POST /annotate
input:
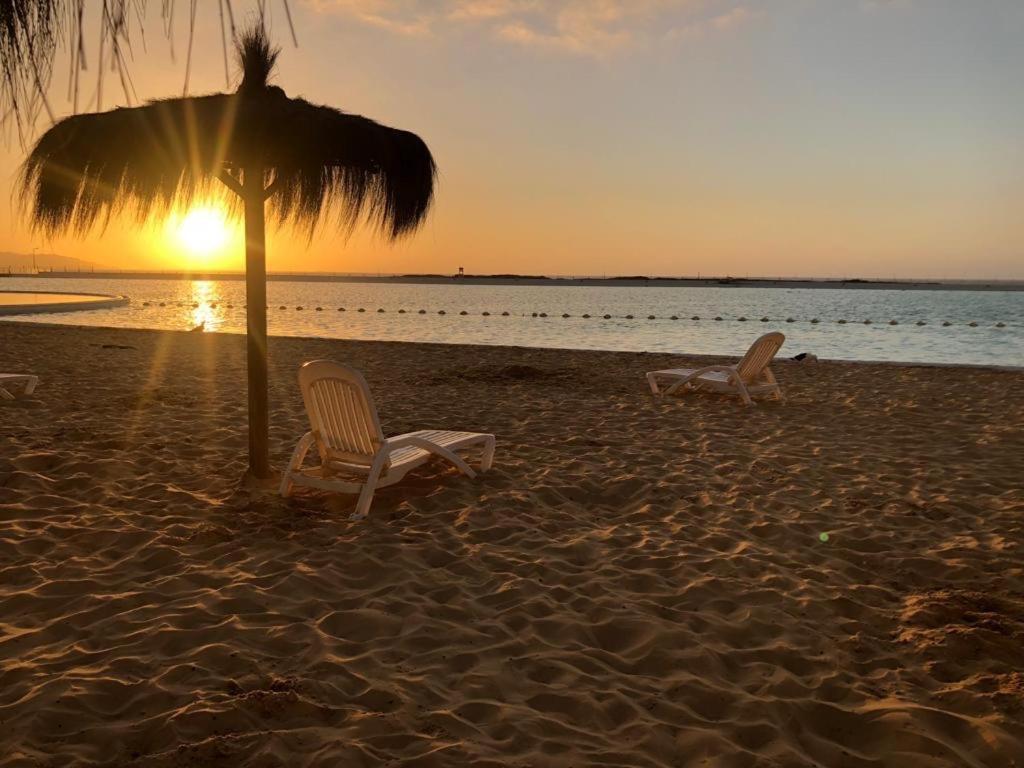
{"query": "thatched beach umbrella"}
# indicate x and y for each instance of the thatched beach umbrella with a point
(304, 160)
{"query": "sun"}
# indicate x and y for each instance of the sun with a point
(202, 231)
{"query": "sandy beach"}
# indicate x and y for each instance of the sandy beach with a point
(836, 581)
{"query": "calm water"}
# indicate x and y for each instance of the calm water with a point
(219, 304)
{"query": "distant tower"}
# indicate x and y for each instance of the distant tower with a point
(462, 272)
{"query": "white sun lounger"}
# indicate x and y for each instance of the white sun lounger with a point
(17, 378)
(355, 457)
(749, 377)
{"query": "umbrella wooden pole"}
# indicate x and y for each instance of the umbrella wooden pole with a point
(254, 197)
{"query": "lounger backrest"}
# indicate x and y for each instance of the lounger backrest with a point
(341, 411)
(759, 355)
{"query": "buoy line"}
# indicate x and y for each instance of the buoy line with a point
(565, 315)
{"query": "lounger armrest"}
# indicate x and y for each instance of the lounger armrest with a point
(306, 442)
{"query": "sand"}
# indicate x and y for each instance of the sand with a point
(837, 581)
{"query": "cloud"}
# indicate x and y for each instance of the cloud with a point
(585, 27)
(403, 17)
(723, 22)
(483, 10)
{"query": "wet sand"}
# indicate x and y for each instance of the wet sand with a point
(638, 582)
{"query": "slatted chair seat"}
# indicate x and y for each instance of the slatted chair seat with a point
(355, 457)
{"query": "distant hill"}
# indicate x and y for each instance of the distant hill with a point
(22, 262)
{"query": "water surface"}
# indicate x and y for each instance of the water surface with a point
(918, 335)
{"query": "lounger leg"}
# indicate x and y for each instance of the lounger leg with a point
(742, 389)
(30, 385)
(365, 499)
(370, 486)
(445, 453)
(674, 388)
(682, 384)
(487, 458)
(5, 395)
(652, 380)
(777, 394)
(454, 458)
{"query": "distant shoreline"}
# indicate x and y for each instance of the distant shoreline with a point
(534, 280)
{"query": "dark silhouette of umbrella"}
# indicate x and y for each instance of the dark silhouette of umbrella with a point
(302, 160)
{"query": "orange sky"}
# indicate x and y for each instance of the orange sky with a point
(671, 137)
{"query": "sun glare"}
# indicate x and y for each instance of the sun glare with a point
(202, 231)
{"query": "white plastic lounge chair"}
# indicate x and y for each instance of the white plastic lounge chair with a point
(17, 378)
(355, 457)
(749, 377)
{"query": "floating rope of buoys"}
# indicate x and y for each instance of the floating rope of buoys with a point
(543, 314)
(380, 310)
(423, 312)
(674, 317)
(920, 322)
(893, 322)
(162, 304)
(319, 309)
(282, 307)
(504, 314)
(841, 322)
(231, 306)
(195, 305)
(341, 309)
(946, 323)
(741, 319)
(718, 319)
(441, 312)
(586, 317)
(145, 303)
(463, 312)
(867, 322)
(486, 314)
(973, 324)
(764, 319)
(815, 321)
(1000, 325)
(695, 317)
(651, 317)
(566, 315)
(790, 320)
(213, 305)
(401, 311)
(629, 317)
(607, 317)
(298, 309)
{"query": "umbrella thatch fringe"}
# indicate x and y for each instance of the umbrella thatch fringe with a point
(146, 160)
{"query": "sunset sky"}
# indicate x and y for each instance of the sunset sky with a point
(662, 137)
